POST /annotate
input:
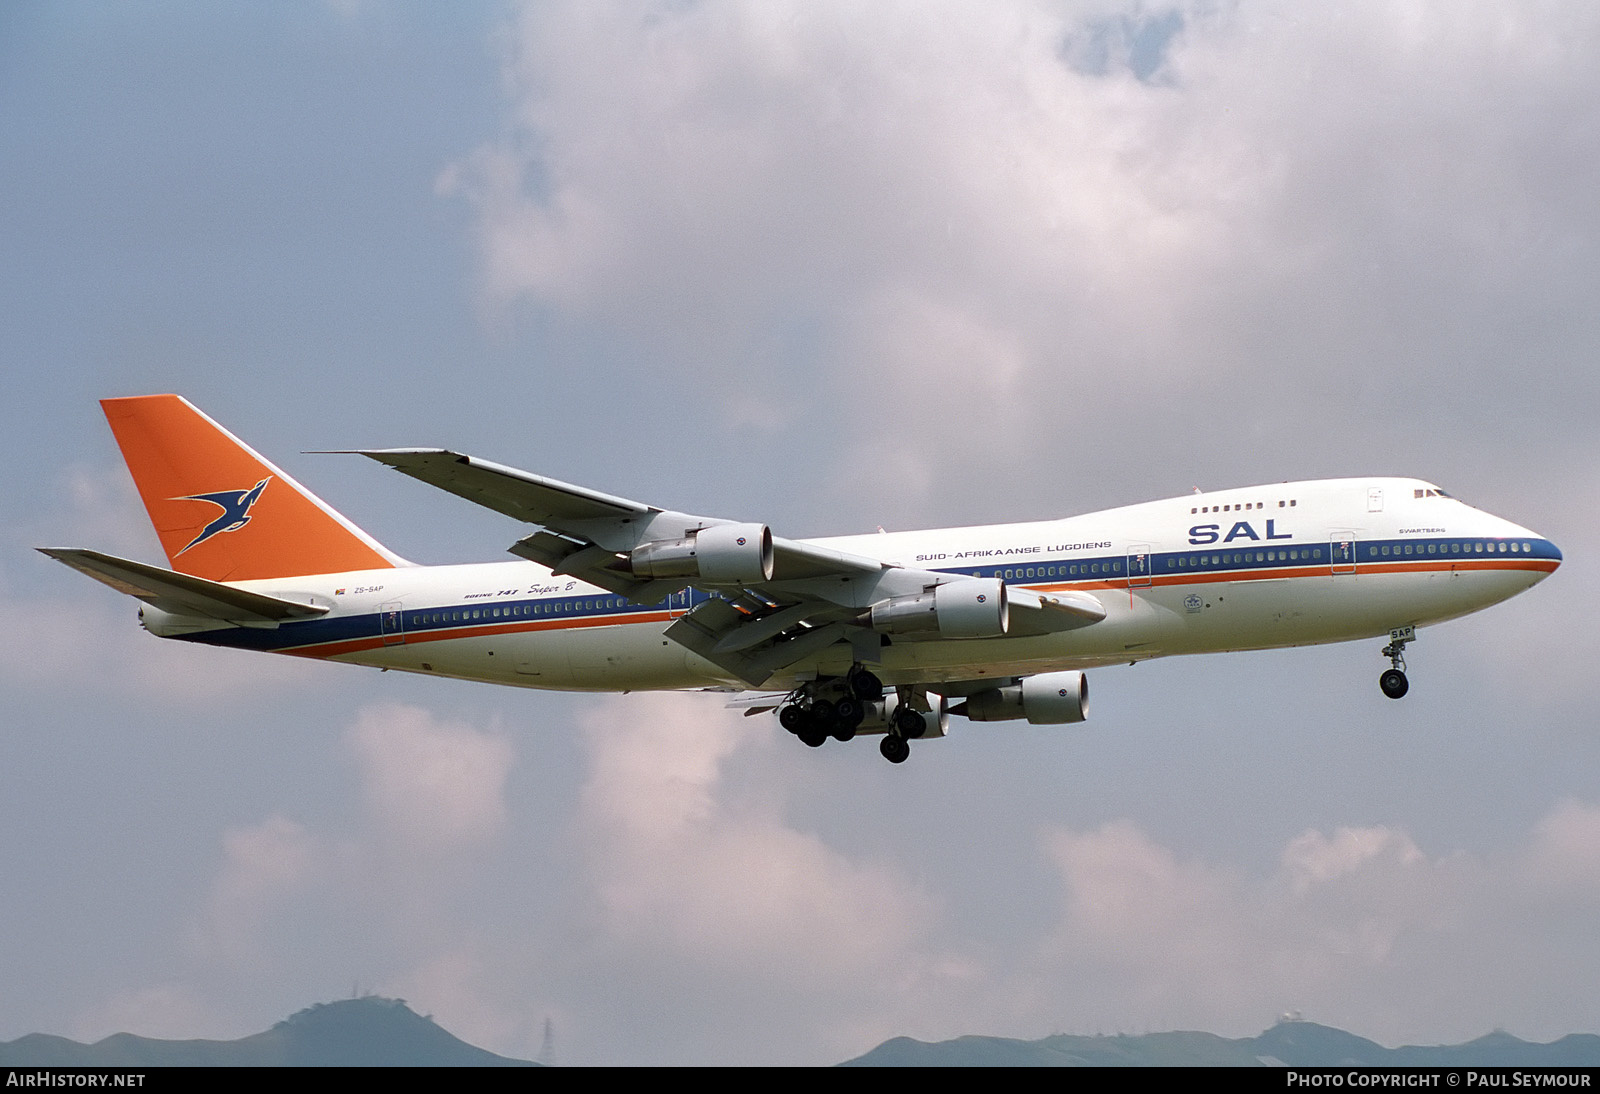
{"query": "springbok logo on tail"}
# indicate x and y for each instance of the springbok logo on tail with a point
(235, 506)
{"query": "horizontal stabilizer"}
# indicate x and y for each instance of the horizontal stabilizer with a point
(182, 594)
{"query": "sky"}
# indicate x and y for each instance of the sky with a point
(828, 266)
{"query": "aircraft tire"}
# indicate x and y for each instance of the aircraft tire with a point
(1394, 683)
(909, 723)
(894, 748)
(792, 718)
(865, 685)
(814, 738)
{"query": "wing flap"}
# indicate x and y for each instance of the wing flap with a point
(182, 594)
(716, 629)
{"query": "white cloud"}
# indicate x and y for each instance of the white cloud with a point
(684, 862)
(1310, 222)
(264, 866)
(687, 880)
(434, 793)
(1360, 929)
(93, 642)
(433, 785)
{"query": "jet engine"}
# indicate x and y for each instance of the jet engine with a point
(724, 554)
(970, 608)
(1050, 698)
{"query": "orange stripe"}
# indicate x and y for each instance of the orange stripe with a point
(416, 638)
(1322, 569)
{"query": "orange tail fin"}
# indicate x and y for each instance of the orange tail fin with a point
(222, 511)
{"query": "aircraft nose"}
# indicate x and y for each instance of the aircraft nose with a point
(1548, 554)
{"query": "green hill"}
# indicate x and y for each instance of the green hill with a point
(1287, 1044)
(369, 1032)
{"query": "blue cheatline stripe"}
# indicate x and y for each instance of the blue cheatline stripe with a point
(1222, 562)
(510, 614)
(1236, 557)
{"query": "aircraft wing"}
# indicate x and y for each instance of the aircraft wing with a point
(182, 594)
(577, 518)
(780, 599)
(518, 494)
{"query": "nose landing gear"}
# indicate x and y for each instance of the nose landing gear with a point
(1393, 682)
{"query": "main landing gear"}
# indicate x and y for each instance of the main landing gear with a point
(894, 748)
(906, 725)
(836, 708)
(1393, 682)
(833, 708)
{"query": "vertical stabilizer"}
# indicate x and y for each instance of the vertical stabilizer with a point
(222, 511)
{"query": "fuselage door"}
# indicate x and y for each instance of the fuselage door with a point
(1374, 499)
(1342, 550)
(1139, 565)
(391, 620)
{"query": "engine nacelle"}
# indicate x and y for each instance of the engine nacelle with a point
(973, 607)
(1048, 699)
(724, 554)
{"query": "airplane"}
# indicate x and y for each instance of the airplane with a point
(885, 633)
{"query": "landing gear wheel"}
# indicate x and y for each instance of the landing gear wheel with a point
(825, 716)
(1394, 684)
(792, 718)
(814, 738)
(894, 749)
(850, 714)
(864, 685)
(909, 723)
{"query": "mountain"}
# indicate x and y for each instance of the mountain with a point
(367, 1032)
(1287, 1044)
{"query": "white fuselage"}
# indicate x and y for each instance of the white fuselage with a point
(1255, 568)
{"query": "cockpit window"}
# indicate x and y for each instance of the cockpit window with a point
(1429, 492)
